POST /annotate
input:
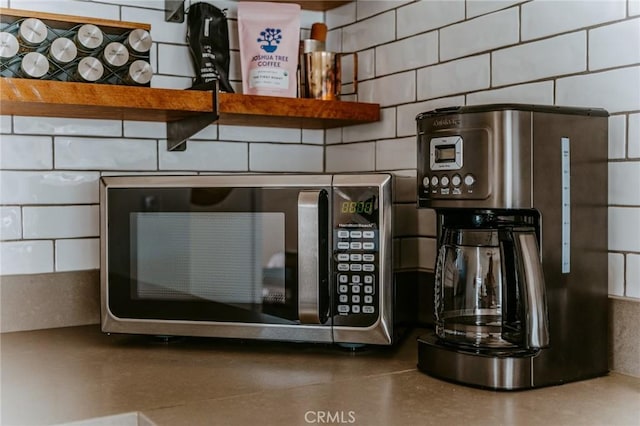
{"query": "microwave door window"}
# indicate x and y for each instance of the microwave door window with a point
(236, 259)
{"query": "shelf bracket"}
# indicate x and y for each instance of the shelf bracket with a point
(180, 130)
(174, 10)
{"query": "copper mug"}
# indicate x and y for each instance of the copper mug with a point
(323, 75)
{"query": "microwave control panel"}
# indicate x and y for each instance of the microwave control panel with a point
(355, 259)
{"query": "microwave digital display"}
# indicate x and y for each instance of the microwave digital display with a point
(358, 207)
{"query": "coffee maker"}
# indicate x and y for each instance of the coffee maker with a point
(520, 192)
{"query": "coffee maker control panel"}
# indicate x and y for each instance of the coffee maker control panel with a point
(454, 166)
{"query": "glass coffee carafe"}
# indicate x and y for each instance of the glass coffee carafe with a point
(490, 287)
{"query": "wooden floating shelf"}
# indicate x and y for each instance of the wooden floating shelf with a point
(185, 111)
(45, 98)
(68, 21)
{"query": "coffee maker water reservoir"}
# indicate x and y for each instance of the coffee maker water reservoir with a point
(520, 193)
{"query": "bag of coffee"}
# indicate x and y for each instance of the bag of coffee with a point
(208, 38)
(269, 35)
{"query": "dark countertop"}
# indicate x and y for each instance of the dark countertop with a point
(69, 374)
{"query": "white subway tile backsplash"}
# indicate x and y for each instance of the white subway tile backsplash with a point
(171, 82)
(259, 134)
(407, 113)
(390, 90)
(368, 33)
(614, 45)
(5, 124)
(498, 29)
(351, 157)
(404, 186)
(624, 232)
(634, 135)
(423, 16)
(333, 135)
(147, 4)
(427, 223)
(60, 221)
(533, 93)
(265, 157)
(208, 133)
(543, 18)
(26, 257)
(67, 126)
(161, 31)
(365, 9)
(383, 129)
(617, 136)
(209, 155)
(621, 190)
(633, 276)
(25, 152)
(462, 75)
(48, 187)
(77, 254)
(105, 154)
(144, 129)
(313, 136)
(395, 154)
(405, 220)
(480, 7)
(615, 90)
(10, 223)
(616, 274)
(69, 7)
(634, 7)
(366, 64)
(560, 55)
(175, 60)
(410, 53)
(340, 16)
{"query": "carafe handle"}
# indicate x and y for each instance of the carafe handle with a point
(533, 290)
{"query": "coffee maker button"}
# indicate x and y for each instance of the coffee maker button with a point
(456, 180)
(425, 181)
(434, 181)
(444, 181)
(469, 180)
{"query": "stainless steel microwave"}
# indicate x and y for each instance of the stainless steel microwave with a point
(277, 257)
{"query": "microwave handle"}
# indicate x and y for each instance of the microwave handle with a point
(310, 256)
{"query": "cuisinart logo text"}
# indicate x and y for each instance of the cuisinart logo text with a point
(446, 122)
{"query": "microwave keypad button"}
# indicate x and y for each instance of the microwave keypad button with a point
(368, 289)
(355, 267)
(368, 267)
(368, 279)
(368, 234)
(343, 309)
(356, 234)
(343, 289)
(343, 279)
(355, 309)
(343, 234)
(356, 257)
(344, 298)
(367, 299)
(355, 279)
(355, 298)
(355, 246)
(343, 267)
(343, 245)
(368, 257)
(343, 257)
(355, 289)
(368, 309)
(368, 246)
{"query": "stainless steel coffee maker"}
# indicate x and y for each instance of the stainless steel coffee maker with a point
(520, 192)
